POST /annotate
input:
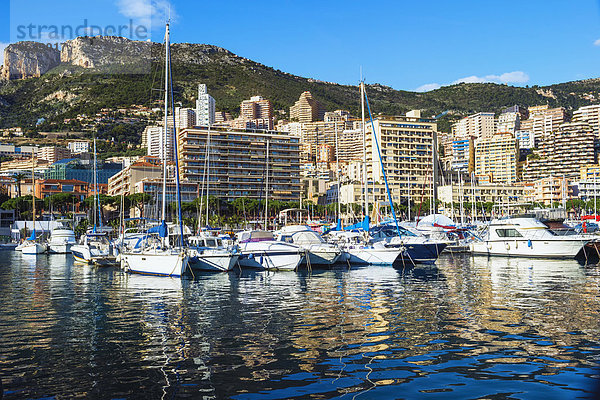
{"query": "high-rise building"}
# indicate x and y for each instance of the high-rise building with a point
(545, 121)
(496, 158)
(307, 109)
(482, 124)
(314, 134)
(407, 150)
(185, 117)
(157, 144)
(79, 147)
(256, 113)
(461, 147)
(238, 162)
(590, 115)
(336, 116)
(205, 107)
(350, 143)
(562, 153)
(54, 153)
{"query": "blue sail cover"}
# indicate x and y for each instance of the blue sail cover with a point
(364, 225)
(160, 229)
(32, 237)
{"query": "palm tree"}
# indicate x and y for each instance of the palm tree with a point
(18, 178)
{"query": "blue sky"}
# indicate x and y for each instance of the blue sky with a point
(406, 45)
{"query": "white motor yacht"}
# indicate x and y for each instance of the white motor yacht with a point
(260, 250)
(526, 237)
(94, 248)
(61, 240)
(207, 253)
(355, 245)
(319, 251)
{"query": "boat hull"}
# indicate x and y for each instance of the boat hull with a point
(60, 248)
(213, 262)
(322, 256)
(34, 248)
(158, 264)
(270, 255)
(372, 256)
(83, 254)
(528, 248)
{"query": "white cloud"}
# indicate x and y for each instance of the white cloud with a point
(2, 47)
(597, 42)
(427, 87)
(148, 12)
(507, 77)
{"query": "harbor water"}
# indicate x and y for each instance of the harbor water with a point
(467, 327)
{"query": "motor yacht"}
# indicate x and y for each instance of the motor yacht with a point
(527, 237)
(355, 245)
(260, 250)
(319, 251)
(207, 253)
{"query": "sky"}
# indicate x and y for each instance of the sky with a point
(405, 45)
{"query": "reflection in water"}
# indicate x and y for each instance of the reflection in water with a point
(466, 328)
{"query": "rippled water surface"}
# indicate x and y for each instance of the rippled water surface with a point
(465, 328)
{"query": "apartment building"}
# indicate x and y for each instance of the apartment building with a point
(256, 113)
(545, 121)
(307, 109)
(350, 143)
(407, 153)
(238, 162)
(461, 151)
(589, 115)
(496, 157)
(205, 107)
(504, 196)
(553, 189)
(184, 117)
(314, 134)
(157, 144)
(79, 147)
(562, 153)
(54, 153)
(482, 124)
(123, 183)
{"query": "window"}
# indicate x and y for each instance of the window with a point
(508, 233)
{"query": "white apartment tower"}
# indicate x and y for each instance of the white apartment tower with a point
(205, 107)
(184, 117)
(477, 125)
(157, 143)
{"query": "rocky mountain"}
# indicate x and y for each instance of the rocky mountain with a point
(91, 73)
(28, 59)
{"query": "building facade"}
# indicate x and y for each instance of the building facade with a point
(307, 109)
(407, 151)
(54, 153)
(238, 162)
(205, 107)
(482, 124)
(496, 157)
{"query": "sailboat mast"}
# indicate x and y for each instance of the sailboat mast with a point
(267, 189)
(207, 173)
(163, 148)
(95, 180)
(33, 190)
(364, 134)
(337, 167)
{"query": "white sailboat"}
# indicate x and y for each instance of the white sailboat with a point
(31, 246)
(94, 247)
(163, 252)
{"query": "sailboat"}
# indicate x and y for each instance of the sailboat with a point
(31, 246)
(162, 252)
(94, 247)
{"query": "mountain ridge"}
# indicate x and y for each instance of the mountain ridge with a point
(110, 72)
